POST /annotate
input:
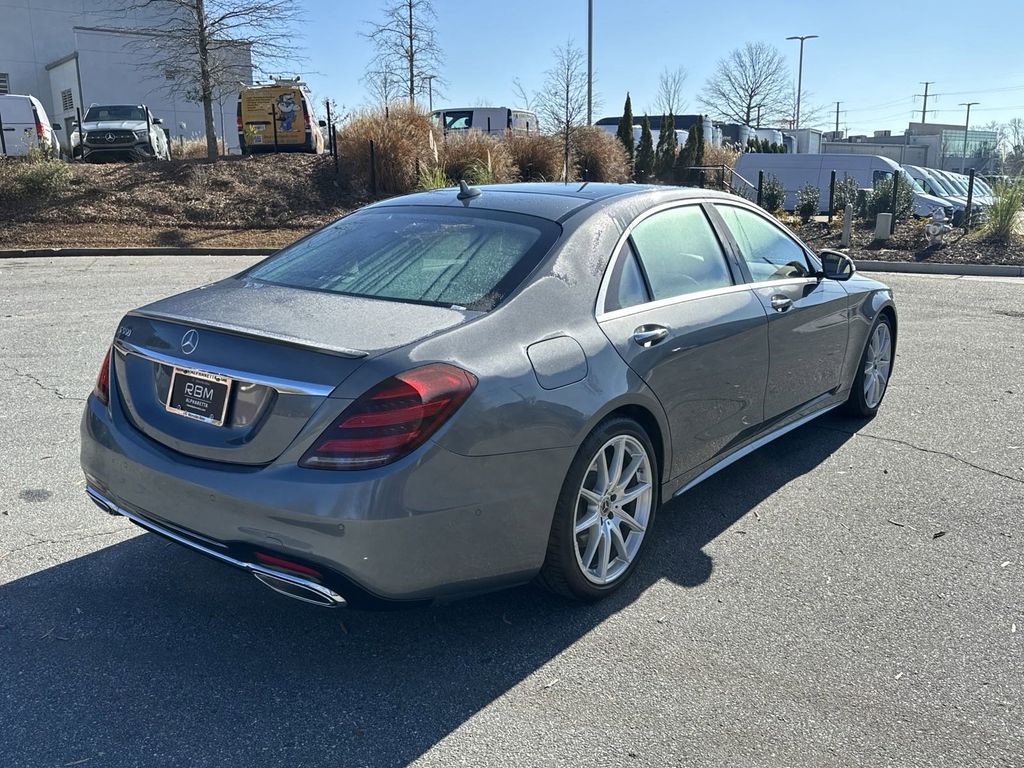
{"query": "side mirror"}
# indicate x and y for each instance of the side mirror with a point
(836, 265)
(157, 121)
(57, 127)
(322, 123)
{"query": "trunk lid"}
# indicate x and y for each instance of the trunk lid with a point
(283, 349)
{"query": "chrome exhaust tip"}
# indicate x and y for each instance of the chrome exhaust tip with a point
(300, 589)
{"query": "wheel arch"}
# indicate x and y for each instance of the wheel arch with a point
(649, 416)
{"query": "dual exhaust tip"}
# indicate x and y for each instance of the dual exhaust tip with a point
(288, 584)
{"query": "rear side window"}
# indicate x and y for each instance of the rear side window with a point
(466, 258)
(626, 287)
(680, 253)
(458, 120)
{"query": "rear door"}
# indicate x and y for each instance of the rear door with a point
(808, 317)
(19, 125)
(679, 315)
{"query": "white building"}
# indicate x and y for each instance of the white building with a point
(72, 53)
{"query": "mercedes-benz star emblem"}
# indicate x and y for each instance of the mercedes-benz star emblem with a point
(110, 138)
(190, 341)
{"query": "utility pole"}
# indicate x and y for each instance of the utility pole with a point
(430, 90)
(967, 124)
(800, 73)
(758, 116)
(837, 117)
(924, 107)
(590, 61)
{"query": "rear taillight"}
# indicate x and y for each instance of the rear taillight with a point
(392, 419)
(39, 128)
(102, 388)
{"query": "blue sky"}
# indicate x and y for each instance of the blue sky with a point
(871, 55)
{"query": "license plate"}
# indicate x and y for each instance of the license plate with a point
(199, 395)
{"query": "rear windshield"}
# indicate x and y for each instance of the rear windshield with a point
(463, 258)
(95, 114)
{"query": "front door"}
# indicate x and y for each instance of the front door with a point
(808, 320)
(683, 321)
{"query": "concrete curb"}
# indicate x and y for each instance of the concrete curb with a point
(50, 253)
(917, 268)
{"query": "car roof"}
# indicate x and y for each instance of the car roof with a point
(555, 201)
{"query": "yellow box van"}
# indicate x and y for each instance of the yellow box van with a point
(277, 117)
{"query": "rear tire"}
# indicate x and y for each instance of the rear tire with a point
(604, 514)
(873, 371)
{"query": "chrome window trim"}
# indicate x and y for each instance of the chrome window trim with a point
(602, 293)
(738, 288)
(282, 385)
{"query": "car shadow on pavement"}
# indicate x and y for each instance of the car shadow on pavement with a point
(145, 654)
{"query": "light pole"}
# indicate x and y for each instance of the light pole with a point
(430, 90)
(590, 61)
(800, 73)
(967, 123)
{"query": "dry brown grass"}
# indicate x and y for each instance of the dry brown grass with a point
(599, 156)
(400, 139)
(182, 149)
(720, 155)
(477, 157)
(537, 156)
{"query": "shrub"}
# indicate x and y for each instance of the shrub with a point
(599, 156)
(194, 147)
(477, 158)
(432, 177)
(535, 156)
(720, 155)
(880, 199)
(808, 202)
(401, 136)
(668, 148)
(35, 178)
(773, 194)
(1002, 220)
(846, 192)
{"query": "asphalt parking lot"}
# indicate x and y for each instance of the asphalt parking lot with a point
(852, 595)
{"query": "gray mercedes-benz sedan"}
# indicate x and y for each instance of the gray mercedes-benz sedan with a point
(466, 389)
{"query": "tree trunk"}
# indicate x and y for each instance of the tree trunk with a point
(412, 59)
(205, 85)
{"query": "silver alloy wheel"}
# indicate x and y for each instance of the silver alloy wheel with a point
(613, 509)
(877, 365)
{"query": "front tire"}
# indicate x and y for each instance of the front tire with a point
(604, 514)
(874, 371)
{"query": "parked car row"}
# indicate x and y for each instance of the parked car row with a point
(932, 188)
(107, 132)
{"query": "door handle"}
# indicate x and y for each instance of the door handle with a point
(781, 303)
(649, 335)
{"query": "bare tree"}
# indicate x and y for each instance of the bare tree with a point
(669, 98)
(811, 115)
(754, 76)
(1015, 134)
(202, 48)
(406, 47)
(562, 102)
(524, 99)
(383, 85)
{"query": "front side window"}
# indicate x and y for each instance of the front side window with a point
(680, 253)
(770, 253)
(458, 120)
(470, 258)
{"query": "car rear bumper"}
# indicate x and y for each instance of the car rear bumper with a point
(433, 524)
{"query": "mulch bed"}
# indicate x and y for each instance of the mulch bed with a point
(908, 243)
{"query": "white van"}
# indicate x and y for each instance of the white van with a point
(26, 125)
(796, 171)
(934, 184)
(494, 120)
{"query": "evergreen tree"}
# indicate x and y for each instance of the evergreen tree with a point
(666, 160)
(661, 140)
(644, 154)
(625, 132)
(690, 156)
